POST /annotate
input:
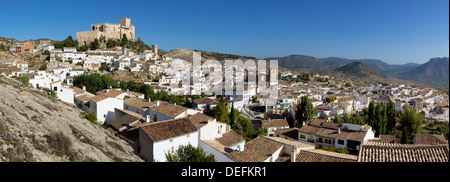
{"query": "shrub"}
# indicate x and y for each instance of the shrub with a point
(189, 153)
(59, 143)
(91, 117)
(43, 67)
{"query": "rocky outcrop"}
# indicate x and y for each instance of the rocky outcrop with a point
(37, 127)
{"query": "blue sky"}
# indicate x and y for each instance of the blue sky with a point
(395, 31)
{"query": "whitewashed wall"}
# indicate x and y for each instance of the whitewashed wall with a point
(162, 147)
(218, 156)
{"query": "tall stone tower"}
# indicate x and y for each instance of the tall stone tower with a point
(155, 49)
(126, 22)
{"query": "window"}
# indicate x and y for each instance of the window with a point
(340, 142)
(302, 136)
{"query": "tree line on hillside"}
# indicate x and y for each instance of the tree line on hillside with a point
(139, 45)
(382, 118)
(95, 82)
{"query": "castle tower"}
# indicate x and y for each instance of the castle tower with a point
(126, 22)
(155, 49)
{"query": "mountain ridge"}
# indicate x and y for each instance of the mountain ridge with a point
(407, 71)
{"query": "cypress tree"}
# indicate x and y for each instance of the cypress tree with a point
(391, 114)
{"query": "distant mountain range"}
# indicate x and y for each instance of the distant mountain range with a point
(434, 72)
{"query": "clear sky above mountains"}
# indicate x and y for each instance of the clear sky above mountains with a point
(395, 31)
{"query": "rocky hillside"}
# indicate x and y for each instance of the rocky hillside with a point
(9, 41)
(38, 127)
(357, 68)
(300, 63)
(435, 71)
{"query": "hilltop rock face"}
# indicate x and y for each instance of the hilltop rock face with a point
(38, 127)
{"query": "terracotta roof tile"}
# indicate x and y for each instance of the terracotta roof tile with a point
(430, 139)
(124, 121)
(200, 120)
(230, 138)
(97, 98)
(141, 104)
(390, 152)
(289, 132)
(112, 93)
(318, 155)
(163, 130)
(275, 123)
(257, 150)
(169, 109)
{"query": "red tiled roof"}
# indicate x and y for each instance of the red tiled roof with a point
(390, 152)
(318, 155)
(163, 130)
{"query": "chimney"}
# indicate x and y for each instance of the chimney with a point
(293, 153)
(147, 118)
(157, 103)
(84, 88)
(339, 131)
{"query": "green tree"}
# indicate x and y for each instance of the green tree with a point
(411, 124)
(102, 66)
(305, 111)
(220, 112)
(83, 48)
(391, 114)
(46, 52)
(330, 99)
(244, 128)
(111, 43)
(68, 42)
(371, 114)
(379, 122)
(189, 153)
(233, 114)
(124, 41)
(95, 44)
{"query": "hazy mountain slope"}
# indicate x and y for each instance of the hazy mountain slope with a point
(38, 127)
(300, 63)
(435, 71)
(358, 69)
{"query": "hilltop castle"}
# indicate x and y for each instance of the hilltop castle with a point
(108, 31)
